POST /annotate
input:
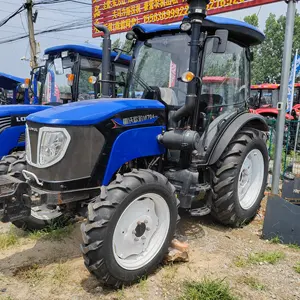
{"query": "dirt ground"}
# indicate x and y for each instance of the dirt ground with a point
(54, 269)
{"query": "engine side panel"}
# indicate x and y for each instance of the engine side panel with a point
(10, 139)
(132, 144)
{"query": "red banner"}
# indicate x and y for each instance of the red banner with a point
(121, 15)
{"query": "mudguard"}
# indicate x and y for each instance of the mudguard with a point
(247, 119)
(132, 144)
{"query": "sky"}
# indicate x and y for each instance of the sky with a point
(14, 56)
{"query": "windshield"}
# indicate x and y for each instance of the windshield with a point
(158, 64)
(225, 77)
(57, 86)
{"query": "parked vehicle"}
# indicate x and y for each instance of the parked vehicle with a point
(51, 86)
(128, 164)
(13, 90)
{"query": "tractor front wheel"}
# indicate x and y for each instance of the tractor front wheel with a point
(240, 178)
(130, 227)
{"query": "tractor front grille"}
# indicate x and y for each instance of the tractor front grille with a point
(21, 138)
(5, 122)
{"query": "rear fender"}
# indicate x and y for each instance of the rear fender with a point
(244, 120)
(9, 139)
(132, 144)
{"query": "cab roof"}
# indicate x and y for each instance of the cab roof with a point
(87, 50)
(239, 31)
(9, 82)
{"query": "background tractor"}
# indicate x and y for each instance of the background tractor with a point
(67, 76)
(129, 164)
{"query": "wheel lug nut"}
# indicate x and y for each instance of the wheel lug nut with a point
(143, 237)
(146, 221)
(148, 228)
(136, 239)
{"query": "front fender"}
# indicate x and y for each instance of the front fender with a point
(9, 139)
(132, 144)
(247, 119)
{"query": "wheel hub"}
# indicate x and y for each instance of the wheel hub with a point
(250, 179)
(140, 231)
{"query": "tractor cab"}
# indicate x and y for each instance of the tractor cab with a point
(72, 73)
(264, 96)
(13, 90)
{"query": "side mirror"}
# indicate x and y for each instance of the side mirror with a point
(220, 41)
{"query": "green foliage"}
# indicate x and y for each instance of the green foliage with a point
(52, 233)
(207, 289)
(253, 282)
(266, 257)
(297, 267)
(266, 66)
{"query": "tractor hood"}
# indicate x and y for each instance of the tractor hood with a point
(20, 110)
(91, 112)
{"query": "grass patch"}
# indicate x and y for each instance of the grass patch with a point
(294, 246)
(268, 257)
(169, 273)
(32, 273)
(207, 289)
(10, 238)
(297, 267)
(253, 283)
(61, 273)
(52, 233)
(240, 262)
(260, 257)
(275, 240)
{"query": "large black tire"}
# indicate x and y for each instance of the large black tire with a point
(226, 206)
(15, 162)
(103, 216)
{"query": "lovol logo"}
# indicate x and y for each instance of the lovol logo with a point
(18, 120)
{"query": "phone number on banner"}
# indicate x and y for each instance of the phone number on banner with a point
(166, 14)
(223, 3)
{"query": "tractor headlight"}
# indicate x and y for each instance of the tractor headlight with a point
(53, 144)
(27, 145)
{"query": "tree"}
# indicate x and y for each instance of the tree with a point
(268, 56)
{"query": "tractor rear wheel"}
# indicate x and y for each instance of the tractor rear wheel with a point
(130, 227)
(240, 178)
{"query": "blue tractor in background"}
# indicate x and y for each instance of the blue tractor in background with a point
(66, 77)
(127, 164)
(13, 90)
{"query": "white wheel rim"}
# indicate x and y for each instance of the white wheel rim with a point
(141, 231)
(250, 179)
(43, 213)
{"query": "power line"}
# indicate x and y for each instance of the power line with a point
(12, 15)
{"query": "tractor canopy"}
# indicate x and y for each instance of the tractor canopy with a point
(171, 45)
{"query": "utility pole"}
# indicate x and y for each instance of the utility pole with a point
(32, 42)
(286, 62)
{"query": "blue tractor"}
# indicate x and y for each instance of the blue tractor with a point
(66, 77)
(129, 164)
(13, 90)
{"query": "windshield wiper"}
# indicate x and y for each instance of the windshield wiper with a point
(142, 82)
